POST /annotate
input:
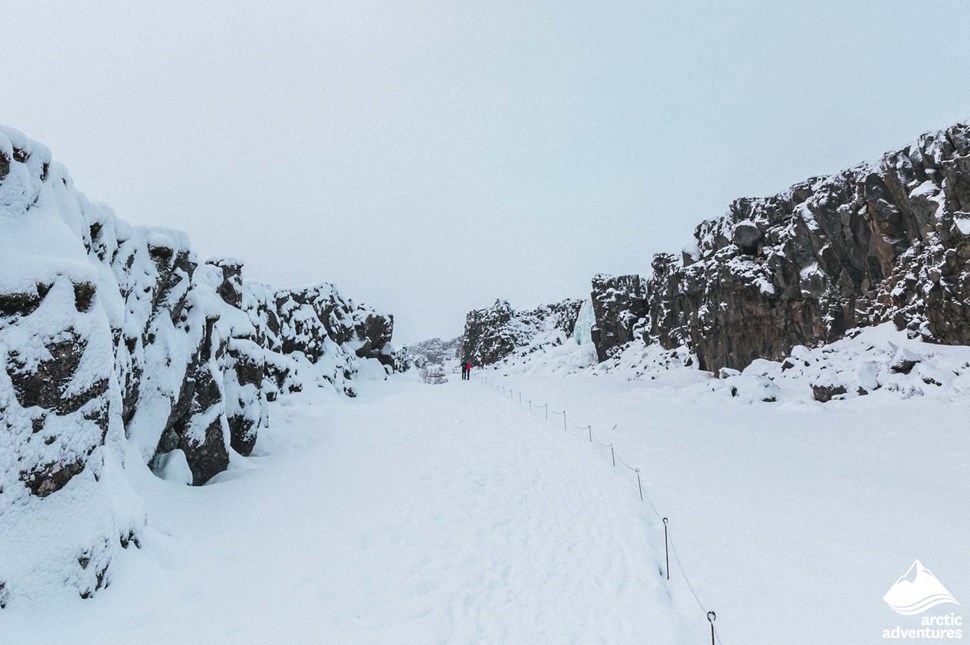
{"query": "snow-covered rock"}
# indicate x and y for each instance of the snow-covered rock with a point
(435, 351)
(500, 333)
(876, 360)
(884, 241)
(116, 342)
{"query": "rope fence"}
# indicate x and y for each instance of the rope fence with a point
(669, 547)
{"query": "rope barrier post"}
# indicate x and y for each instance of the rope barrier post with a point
(546, 406)
(711, 617)
(520, 398)
(530, 406)
(590, 429)
(667, 548)
(639, 485)
(613, 454)
(564, 420)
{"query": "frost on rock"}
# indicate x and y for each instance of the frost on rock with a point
(117, 343)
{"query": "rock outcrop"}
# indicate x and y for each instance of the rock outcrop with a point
(498, 332)
(113, 334)
(888, 241)
(619, 306)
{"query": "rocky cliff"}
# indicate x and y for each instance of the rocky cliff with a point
(498, 332)
(887, 241)
(116, 340)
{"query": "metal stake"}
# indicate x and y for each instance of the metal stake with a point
(666, 548)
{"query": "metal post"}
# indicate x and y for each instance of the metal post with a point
(666, 548)
(639, 485)
(547, 411)
(613, 455)
(530, 406)
(590, 428)
(563, 419)
(711, 617)
(520, 398)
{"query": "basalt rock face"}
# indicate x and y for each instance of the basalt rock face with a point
(880, 242)
(113, 334)
(495, 333)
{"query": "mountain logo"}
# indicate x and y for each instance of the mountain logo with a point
(917, 591)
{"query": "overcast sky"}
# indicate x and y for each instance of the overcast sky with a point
(431, 156)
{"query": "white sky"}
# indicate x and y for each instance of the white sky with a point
(431, 156)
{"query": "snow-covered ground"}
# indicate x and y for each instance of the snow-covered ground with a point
(447, 514)
(414, 514)
(792, 518)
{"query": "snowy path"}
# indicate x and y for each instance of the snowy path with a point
(415, 514)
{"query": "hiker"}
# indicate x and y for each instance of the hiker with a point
(464, 369)
(468, 371)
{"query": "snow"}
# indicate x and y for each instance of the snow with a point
(871, 362)
(963, 224)
(413, 514)
(448, 513)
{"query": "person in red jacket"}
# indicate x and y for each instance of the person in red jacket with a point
(468, 371)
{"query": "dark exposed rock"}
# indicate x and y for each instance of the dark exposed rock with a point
(206, 455)
(746, 236)
(48, 384)
(230, 290)
(52, 477)
(250, 369)
(825, 393)
(376, 331)
(83, 295)
(18, 304)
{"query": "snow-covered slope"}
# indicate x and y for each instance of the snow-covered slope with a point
(117, 343)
